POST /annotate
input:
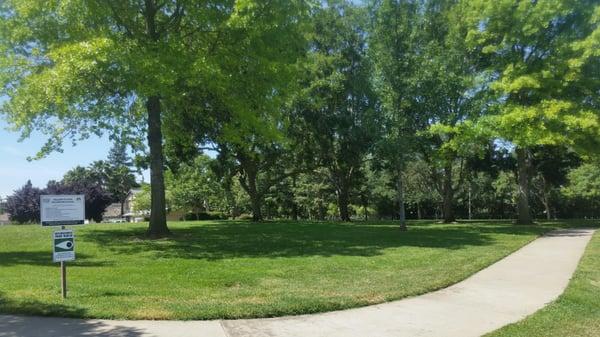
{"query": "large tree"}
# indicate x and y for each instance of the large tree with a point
(259, 164)
(542, 58)
(237, 111)
(71, 69)
(195, 188)
(118, 175)
(394, 40)
(449, 93)
(83, 67)
(337, 106)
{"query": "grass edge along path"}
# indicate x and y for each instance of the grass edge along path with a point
(244, 270)
(575, 313)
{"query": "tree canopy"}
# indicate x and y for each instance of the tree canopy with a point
(317, 109)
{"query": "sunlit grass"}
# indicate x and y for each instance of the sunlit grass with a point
(240, 269)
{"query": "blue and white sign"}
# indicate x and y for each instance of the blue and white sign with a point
(64, 246)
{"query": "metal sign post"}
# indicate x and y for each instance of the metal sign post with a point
(63, 279)
(63, 273)
(61, 210)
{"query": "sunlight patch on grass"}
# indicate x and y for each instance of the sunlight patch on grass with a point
(229, 269)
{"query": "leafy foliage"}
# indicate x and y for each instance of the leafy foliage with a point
(96, 198)
(390, 108)
(24, 205)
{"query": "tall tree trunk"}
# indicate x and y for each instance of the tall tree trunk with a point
(321, 211)
(448, 197)
(400, 199)
(255, 197)
(547, 208)
(501, 208)
(546, 198)
(294, 204)
(256, 211)
(294, 212)
(248, 182)
(365, 204)
(470, 204)
(523, 166)
(158, 217)
(419, 216)
(343, 200)
(233, 211)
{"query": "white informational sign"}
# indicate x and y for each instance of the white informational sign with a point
(64, 246)
(61, 210)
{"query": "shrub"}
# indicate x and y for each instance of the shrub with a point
(24, 205)
(205, 216)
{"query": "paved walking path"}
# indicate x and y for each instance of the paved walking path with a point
(505, 292)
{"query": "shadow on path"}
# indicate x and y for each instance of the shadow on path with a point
(16, 326)
(568, 232)
(35, 326)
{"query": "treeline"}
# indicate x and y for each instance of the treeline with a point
(394, 108)
(103, 182)
(562, 186)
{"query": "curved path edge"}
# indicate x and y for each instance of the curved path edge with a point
(500, 294)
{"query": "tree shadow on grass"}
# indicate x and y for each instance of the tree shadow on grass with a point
(44, 258)
(224, 240)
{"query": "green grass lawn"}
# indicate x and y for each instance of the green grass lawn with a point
(239, 269)
(577, 310)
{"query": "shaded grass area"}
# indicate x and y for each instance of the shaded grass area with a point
(576, 312)
(230, 269)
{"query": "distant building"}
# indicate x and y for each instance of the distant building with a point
(3, 215)
(113, 211)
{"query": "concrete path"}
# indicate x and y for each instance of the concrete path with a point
(505, 292)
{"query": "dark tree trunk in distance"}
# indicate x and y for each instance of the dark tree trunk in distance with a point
(248, 182)
(365, 203)
(448, 196)
(400, 199)
(470, 203)
(294, 204)
(343, 200)
(547, 208)
(158, 217)
(256, 211)
(523, 167)
(546, 198)
(122, 207)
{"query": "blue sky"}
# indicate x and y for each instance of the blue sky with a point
(15, 170)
